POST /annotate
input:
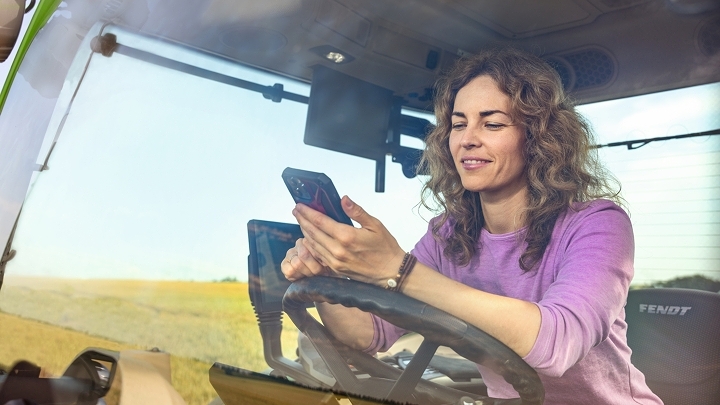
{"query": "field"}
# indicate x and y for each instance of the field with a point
(48, 321)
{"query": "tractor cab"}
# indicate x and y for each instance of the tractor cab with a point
(143, 214)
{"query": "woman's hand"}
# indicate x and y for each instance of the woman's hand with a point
(369, 253)
(300, 263)
(349, 325)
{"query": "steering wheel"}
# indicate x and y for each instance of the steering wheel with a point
(436, 326)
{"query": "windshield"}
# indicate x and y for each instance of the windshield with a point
(134, 235)
(139, 230)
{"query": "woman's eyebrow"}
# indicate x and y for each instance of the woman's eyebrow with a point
(482, 114)
(488, 113)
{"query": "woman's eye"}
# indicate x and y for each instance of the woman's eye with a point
(458, 126)
(493, 126)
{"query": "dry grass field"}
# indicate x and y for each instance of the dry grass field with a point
(196, 322)
(53, 348)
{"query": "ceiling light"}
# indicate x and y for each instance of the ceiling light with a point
(332, 54)
(336, 57)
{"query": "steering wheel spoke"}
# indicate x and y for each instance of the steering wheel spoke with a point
(405, 385)
(325, 345)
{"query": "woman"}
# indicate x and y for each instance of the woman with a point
(524, 248)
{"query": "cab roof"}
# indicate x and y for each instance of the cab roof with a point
(603, 49)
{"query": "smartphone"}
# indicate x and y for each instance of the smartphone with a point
(315, 190)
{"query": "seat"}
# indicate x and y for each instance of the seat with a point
(674, 335)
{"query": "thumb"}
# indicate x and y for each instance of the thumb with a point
(356, 212)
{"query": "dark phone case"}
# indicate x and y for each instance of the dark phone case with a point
(318, 193)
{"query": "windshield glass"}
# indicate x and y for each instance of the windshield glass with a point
(671, 186)
(137, 232)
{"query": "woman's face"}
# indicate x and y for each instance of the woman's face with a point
(486, 145)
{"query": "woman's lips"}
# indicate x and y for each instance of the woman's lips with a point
(474, 163)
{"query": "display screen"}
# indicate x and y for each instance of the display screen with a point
(269, 243)
(348, 115)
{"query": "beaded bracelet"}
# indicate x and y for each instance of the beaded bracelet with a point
(408, 263)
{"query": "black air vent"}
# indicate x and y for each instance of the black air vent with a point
(708, 36)
(584, 69)
(564, 70)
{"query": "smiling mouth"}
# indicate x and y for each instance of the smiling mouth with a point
(474, 161)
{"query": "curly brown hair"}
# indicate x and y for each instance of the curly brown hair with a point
(561, 164)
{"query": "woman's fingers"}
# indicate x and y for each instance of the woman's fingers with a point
(369, 253)
(300, 263)
(308, 260)
(321, 254)
(357, 213)
(291, 270)
(316, 224)
(322, 236)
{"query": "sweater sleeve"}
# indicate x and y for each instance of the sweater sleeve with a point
(594, 267)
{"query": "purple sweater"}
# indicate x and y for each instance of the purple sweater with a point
(580, 287)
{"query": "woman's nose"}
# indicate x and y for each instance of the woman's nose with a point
(470, 138)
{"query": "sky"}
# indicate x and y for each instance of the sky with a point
(166, 192)
(134, 192)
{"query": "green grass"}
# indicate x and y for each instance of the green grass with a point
(196, 322)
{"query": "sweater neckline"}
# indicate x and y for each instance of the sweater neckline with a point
(502, 236)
